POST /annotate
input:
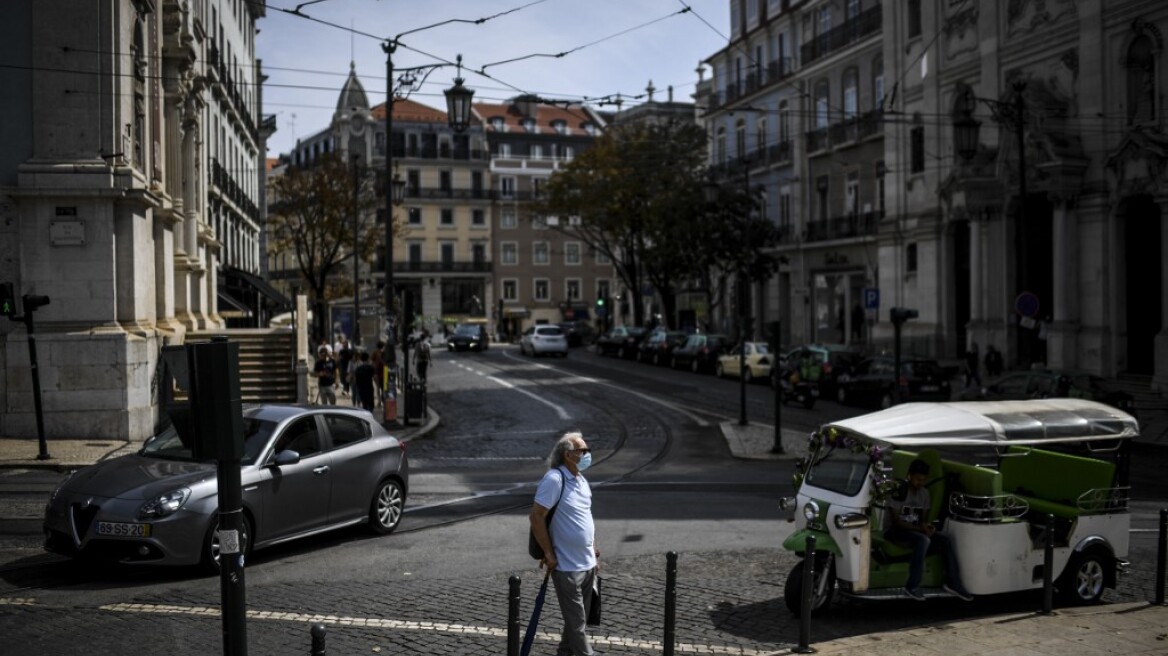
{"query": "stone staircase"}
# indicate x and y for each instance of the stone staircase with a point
(267, 362)
(1151, 406)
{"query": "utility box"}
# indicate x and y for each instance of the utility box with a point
(415, 400)
(211, 421)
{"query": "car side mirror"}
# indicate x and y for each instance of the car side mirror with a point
(286, 457)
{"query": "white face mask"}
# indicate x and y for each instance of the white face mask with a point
(585, 462)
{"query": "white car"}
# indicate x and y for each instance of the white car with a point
(541, 340)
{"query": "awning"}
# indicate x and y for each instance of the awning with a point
(237, 279)
(516, 312)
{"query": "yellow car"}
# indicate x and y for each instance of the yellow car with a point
(758, 362)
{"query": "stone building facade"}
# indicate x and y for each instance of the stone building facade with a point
(104, 183)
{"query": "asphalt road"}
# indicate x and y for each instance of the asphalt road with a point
(664, 481)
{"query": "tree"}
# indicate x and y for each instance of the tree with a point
(312, 217)
(637, 192)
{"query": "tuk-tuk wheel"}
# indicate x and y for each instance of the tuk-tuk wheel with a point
(1085, 578)
(823, 579)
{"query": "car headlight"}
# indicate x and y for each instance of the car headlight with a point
(164, 505)
(810, 511)
(61, 486)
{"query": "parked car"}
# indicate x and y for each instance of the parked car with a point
(304, 470)
(544, 339)
(699, 353)
(468, 337)
(578, 333)
(658, 347)
(872, 381)
(823, 365)
(621, 340)
(758, 362)
(1049, 383)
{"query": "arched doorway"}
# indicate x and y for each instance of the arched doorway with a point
(1141, 284)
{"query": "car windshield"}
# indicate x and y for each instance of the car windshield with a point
(168, 445)
(469, 330)
(839, 470)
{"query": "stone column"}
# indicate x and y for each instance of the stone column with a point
(1062, 330)
(1160, 371)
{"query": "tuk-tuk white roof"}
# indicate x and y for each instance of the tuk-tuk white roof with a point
(992, 423)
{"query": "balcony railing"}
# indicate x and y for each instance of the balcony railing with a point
(430, 193)
(847, 131)
(843, 227)
(867, 23)
(410, 266)
(426, 152)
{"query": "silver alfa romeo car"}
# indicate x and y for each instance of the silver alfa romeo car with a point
(305, 470)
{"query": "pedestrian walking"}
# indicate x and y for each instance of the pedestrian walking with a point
(993, 361)
(422, 355)
(344, 352)
(363, 376)
(377, 359)
(972, 364)
(325, 371)
(569, 539)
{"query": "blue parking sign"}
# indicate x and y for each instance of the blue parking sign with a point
(871, 298)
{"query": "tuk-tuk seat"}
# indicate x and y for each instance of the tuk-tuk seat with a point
(1053, 482)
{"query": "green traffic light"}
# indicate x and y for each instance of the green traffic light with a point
(600, 301)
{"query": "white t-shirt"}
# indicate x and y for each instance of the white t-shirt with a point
(572, 531)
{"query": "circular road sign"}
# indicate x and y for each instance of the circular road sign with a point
(1026, 304)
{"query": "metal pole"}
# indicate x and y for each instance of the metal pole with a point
(318, 635)
(356, 259)
(389, 47)
(1019, 230)
(1048, 567)
(1162, 556)
(805, 603)
(778, 445)
(513, 615)
(36, 385)
(670, 602)
(743, 290)
(896, 325)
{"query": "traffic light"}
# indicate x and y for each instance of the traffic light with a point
(7, 300)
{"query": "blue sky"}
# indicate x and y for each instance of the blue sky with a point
(306, 61)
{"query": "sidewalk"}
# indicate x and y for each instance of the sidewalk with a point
(66, 454)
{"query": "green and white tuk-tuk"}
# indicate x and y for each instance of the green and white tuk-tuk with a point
(997, 469)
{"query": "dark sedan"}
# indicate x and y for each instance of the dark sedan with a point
(658, 347)
(468, 337)
(699, 353)
(622, 340)
(872, 381)
(305, 469)
(1049, 383)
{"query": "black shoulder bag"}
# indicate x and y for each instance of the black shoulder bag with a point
(533, 547)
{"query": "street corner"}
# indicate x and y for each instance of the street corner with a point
(407, 434)
(757, 442)
(62, 454)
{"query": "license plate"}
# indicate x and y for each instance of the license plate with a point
(930, 388)
(123, 530)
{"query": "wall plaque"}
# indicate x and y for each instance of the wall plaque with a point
(67, 233)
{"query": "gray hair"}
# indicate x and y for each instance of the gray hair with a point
(563, 445)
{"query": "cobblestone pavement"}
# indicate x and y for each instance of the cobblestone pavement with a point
(728, 603)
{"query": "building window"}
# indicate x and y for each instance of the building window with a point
(478, 253)
(785, 210)
(447, 255)
(478, 218)
(569, 153)
(509, 253)
(536, 151)
(572, 253)
(542, 288)
(720, 146)
(560, 126)
(497, 124)
(851, 10)
(444, 182)
(822, 104)
(917, 156)
(603, 258)
(880, 171)
(784, 122)
(851, 94)
(821, 187)
(1141, 80)
(537, 185)
(603, 288)
(447, 217)
(572, 289)
(760, 133)
(823, 22)
(852, 194)
(910, 258)
(504, 150)
(539, 222)
(740, 138)
(415, 214)
(507, 219)
(913, 7)
(510, 289)
(878, 84)
(539, 253)
(507, 186)
(415, 253)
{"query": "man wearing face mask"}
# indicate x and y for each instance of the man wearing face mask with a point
(569, 542)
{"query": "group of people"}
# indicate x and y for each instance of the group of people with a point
(359, 373)
(993, 364)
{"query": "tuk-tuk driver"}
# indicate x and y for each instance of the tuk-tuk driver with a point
(906, 525)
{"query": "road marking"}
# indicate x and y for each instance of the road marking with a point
(436, 627)
(558, 408)
(17, 601)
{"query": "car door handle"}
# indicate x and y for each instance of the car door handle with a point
(323, 469)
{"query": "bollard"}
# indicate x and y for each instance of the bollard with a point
(1048, 567)
(805, 605)
(318, 632)
(1162, 557)
(513, 615)
(670, 602)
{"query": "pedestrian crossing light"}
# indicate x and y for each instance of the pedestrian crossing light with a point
(7, 300)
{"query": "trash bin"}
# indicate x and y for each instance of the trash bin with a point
(415, 400)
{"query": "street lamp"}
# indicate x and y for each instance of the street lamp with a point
(458, 100)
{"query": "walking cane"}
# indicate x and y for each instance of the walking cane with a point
(529, 635)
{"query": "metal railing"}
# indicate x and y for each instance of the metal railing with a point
(867, 23)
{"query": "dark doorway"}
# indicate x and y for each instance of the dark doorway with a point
(1142, 261)
(1035, 275)
(961, 292)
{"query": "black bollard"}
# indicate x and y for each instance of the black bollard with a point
(1048, 567)
(318, 632)
(670, 602)
(1162, 557)
(513, 616)
(808, 593)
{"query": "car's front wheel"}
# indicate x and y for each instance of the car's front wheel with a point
(385, 509)
(213, 544)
